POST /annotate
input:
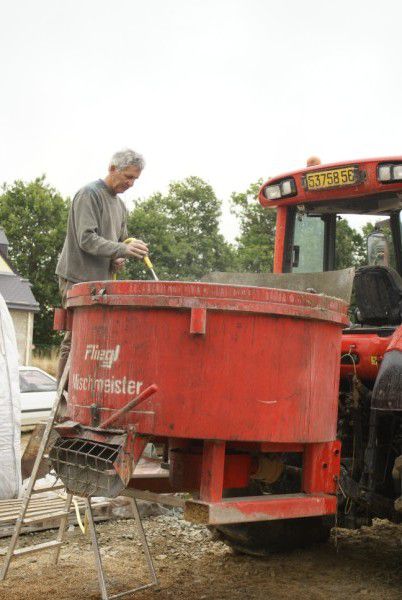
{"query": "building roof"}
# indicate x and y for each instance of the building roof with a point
(15, 290)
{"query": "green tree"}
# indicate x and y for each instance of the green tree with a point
(256, 242)
(182, 230)
(34, 217)
(350, 246)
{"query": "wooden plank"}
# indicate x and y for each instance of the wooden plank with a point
(44, 512)
(48, 489)
(45, 517)
(42, 507)
(31, 549)
(37, 548)
(15, 508)
(45, 502)
(166, 499)
(34, 501)
(13, 517)
(7, 530)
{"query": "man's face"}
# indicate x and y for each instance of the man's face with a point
(122, 180)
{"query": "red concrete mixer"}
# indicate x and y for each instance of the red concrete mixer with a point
(239, 384)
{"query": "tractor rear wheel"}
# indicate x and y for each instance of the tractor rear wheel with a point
(268, 537)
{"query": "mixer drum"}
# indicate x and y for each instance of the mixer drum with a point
(230, 362)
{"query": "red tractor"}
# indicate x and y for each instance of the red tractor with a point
(239, 384)
(311, 204)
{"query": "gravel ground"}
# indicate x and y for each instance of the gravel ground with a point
(191, 565)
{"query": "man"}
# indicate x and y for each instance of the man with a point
(97, 227)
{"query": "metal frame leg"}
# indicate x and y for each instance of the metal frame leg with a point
(144, 542)
(95, 548)
(62, 528)
(98, 560)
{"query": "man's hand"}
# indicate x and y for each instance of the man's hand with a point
(118, 264)
(137, 248)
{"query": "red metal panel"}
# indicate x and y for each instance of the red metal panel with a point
(396, 341)
(321, 466)
(369, 184)
(281, 216)
(284, 447)
(139, 447)
(59, 319)
(198, 323)
(260, 508)
(213, 463)
(157, 485)
(186, 469)
(369, 348)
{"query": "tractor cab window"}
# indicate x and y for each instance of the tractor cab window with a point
(308, 244)
(331, 242)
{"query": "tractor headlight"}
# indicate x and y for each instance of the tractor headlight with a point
(397, 172)
(389, 173)
(272, 192)
(384, 173)
(283, 189)
(287, 187)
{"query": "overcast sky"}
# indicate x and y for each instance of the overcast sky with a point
(229, 90)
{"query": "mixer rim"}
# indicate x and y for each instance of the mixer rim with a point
(208, 296)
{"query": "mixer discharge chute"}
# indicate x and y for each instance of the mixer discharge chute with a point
(96, 461)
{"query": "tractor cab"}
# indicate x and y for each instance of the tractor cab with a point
(330, 217)
(316, 205)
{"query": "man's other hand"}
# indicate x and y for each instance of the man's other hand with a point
(137, 248)
(118, 264)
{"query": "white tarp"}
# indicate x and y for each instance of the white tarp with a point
(10, 410)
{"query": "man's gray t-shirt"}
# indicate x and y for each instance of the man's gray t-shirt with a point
(97, 226)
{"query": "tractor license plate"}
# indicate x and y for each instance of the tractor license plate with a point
(321, 180)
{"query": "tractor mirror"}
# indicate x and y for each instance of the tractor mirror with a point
(377, 249)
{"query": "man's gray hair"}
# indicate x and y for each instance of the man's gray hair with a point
(127, 158)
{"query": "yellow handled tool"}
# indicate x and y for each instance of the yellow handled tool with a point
(147, 260)
(150, 267)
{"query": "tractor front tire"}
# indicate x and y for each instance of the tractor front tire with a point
(269, 537)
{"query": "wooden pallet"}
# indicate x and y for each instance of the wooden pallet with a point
(46, 505)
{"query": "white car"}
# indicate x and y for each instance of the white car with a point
(38, 392)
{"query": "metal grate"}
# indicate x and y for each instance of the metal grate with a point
(87, 468)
